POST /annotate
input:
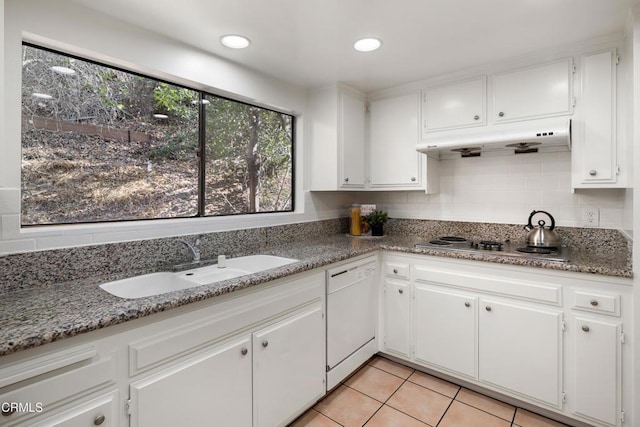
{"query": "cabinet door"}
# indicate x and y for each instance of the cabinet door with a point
(396, 317)
(352, 141)
(212, 388)
(597, 369)
(595, 142)
(445, 332)
(520, 349)
(289, 367)
(394, 161)
(534, 92)
(456, 105)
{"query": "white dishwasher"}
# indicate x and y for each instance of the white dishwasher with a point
(351, 314)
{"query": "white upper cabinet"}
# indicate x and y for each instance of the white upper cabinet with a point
(341, 157)
(337, 151)
(533, 92)
(351, 140)
(595, 150)
(458, 105)
(394, 163)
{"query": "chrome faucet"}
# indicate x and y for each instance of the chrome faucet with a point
(193, 249)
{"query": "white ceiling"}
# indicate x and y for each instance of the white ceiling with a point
(309, 43)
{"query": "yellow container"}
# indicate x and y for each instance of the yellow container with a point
(354, 227)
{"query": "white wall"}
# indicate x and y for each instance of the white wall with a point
(66, 26)
(505, 189)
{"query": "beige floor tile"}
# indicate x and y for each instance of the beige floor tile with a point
(313, 418)
(419, 402)
(348, 407)
(529, 419)
(389, 417)
(461, 415)
(391, 367)
(375, 383)
(487, 404)
(435, 384)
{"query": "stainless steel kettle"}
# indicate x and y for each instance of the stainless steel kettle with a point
(540, 236)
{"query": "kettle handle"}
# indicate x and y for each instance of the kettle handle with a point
(553, 221)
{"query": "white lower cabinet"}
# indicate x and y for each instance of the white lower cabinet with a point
(520, 349)
(261, 378)
(597, 363)
(445, 329)
(288, 367)
(552, 339)
(256, 361)
(214, 387)
(396, 317)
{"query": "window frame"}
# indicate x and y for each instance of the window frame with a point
(200, 152)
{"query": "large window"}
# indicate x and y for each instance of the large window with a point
(103, 144)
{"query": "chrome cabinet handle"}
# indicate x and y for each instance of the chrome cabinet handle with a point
(501, 113)
(585, 328)
(99, 420)
(265, 343)
(244, 351)
(476, 117)
(594, 302)
(346, 179)
(400, 291)
(466, 304)
(488, 308)
(395, 271)
(413, 179)
(593, 172)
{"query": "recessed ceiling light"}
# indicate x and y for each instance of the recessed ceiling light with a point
(235, 41)
(367, 44)
(63, 70)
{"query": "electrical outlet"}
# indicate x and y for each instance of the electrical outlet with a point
(591, 217)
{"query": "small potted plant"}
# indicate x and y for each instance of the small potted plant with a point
(376, 221)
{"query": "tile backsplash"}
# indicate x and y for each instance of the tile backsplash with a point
(505, 189)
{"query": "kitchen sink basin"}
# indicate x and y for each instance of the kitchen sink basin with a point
(159, 283)
(147, 285)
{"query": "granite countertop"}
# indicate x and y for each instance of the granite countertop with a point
(37, 315)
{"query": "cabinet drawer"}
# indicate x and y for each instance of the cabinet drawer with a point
(102, 411)
(56, 389)
(597, 303)
(397, 270)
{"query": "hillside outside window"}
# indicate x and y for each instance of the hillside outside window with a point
(105, 144)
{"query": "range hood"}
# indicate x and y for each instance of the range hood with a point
(517, 137)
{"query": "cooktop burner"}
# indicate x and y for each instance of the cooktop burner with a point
(536, 250)
(506, 248)
(439, 242)
(453, 239)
